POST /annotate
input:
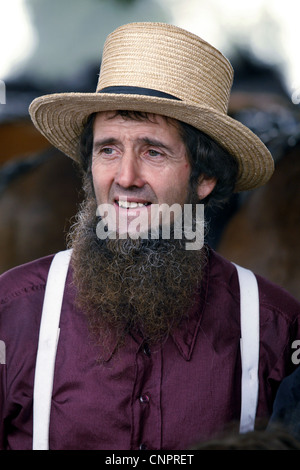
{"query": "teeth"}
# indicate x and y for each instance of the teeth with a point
(130, 205)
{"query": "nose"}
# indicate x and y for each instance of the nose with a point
(129, 172)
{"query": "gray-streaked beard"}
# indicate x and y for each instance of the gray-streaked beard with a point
(140, 286)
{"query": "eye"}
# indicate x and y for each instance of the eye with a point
(107, 151)
(154, 153)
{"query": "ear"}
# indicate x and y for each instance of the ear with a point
(205, 186)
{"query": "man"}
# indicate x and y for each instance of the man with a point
(136, 343)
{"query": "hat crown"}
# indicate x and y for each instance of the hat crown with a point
(167, 59)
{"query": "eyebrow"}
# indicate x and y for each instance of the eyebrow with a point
(143, 140)
(102, 142)
(154, 143)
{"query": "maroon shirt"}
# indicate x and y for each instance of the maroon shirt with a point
(165, 398)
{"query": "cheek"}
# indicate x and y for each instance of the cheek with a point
(183, 183)
(101, 182)
(174, 188)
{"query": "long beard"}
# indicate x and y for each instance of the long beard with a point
(142, 286)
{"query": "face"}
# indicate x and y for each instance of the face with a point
(137, 164)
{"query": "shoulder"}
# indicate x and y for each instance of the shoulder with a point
(279, 315)
(24, 280)
(275, 297)
(272, 297)
(22, 292)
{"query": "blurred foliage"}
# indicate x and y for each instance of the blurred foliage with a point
(122, 2)
(126, 2)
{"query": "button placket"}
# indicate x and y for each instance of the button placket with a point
(146, 414)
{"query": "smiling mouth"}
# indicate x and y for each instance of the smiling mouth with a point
(131, 204)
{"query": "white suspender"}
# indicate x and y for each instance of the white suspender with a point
(249, 347)
(48, 338)
(49, 332)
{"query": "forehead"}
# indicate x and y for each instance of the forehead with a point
(108, 120)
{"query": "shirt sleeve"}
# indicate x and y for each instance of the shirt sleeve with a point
(21, 298)
(2, 392)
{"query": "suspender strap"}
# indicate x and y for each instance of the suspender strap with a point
(48, 339)
(249, 347)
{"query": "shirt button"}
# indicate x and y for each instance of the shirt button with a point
(147, 350)
(143, 446)
(144, 398)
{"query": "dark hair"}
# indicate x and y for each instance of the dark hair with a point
(209, 159)
(206, 156)
(86, 145)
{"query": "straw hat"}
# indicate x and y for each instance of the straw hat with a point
(162, 69)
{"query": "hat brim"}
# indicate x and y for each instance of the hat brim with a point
(61, 118)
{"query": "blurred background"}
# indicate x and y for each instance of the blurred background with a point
(51, 46)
